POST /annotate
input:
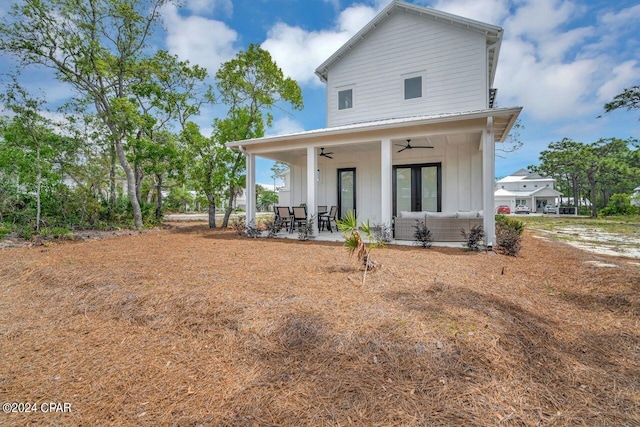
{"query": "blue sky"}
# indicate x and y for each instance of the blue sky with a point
(561, 60)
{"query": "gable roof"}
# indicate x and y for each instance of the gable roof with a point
(524, 174)
(492, 33)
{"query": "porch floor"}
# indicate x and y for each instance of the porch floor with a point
(327, 236)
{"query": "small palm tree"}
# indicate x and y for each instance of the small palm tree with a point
(354, 243)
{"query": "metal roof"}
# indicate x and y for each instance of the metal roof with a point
(503, 121)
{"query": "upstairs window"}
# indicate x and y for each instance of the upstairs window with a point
(413, 87)
(345, 99)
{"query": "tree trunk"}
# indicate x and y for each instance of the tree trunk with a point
(228, 210)
(159, 190)
(38, 189)
(576, 199)
(593, 192)
(138, 176)
(212, 210)
(112, 179)
(131, 184)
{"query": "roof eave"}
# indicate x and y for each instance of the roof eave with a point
(386, 124)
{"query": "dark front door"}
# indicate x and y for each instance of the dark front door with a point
(417, 188)
(346, 191)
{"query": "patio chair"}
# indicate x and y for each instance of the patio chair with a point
(325, 220)
(283, 217)
(322, 210)
(299, 217)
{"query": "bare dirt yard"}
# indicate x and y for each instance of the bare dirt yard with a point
(188, 326)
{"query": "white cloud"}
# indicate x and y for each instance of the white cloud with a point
(629, 15)
(549, 90)
(199, 40)
(538, 18)
(489, 11)
(284, 126)
(210, 6)
(298, 52)
(624, 75)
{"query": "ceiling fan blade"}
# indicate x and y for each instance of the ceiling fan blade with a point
(400, 151)
(400, 145)
(421, 146)
(328, 157)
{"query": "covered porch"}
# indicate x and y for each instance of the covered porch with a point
(439, 163)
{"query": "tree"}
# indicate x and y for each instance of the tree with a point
(207, 161)
(251, 85)
(266, 199)
(513, 142)
(629, 99)
(278, 169)
(561, 161)
(29, 143)
(96, 46)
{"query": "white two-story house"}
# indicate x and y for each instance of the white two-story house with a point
(411, 122)
(526, 188)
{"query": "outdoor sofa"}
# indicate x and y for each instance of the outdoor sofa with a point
(444, 226)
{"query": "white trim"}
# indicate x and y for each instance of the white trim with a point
(512, 113)
(386, 182)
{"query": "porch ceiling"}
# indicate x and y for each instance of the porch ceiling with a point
(453, 127)
(298, 155)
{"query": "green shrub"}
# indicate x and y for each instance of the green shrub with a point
(508, 235)
(619, 204)
(503, 221)
(5, 229)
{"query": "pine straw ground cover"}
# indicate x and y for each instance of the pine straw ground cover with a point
(188, 326)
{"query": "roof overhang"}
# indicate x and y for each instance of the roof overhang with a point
(492, 33)
(503, 119)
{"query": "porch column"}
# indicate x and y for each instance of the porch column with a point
(251, 186)
(312, 185)
(488, 174)
(386, 175)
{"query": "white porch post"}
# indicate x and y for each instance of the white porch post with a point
(386, 172)
(312, 185)
(488, 173)
(251, 187)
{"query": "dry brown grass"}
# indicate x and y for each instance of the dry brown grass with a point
(189, 326)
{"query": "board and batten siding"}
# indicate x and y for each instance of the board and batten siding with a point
(461, 177)
(451, 60)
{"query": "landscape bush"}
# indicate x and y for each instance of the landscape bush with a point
(422, 235)
(473, 237)
(619, 204)
(508, 235)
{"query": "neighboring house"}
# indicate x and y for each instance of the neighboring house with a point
(635, 198)
(526, 188)
(411, 123)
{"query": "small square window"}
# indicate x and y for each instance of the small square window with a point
(413, 87)
(345, 99)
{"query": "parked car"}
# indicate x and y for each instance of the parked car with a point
(504, 209)
(523, 209)
(550, 209)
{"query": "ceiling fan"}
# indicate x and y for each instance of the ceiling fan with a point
(409, 146)
(323, 154)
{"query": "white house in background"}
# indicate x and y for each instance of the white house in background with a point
(526, 188)
(411, 123)
(635, 198)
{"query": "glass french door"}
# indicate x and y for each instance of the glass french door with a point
(417, 188)
(346, 191)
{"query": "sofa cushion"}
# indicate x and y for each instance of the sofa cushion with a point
(467, 214)
(441, 215)
(480, 213)
(412, 215)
